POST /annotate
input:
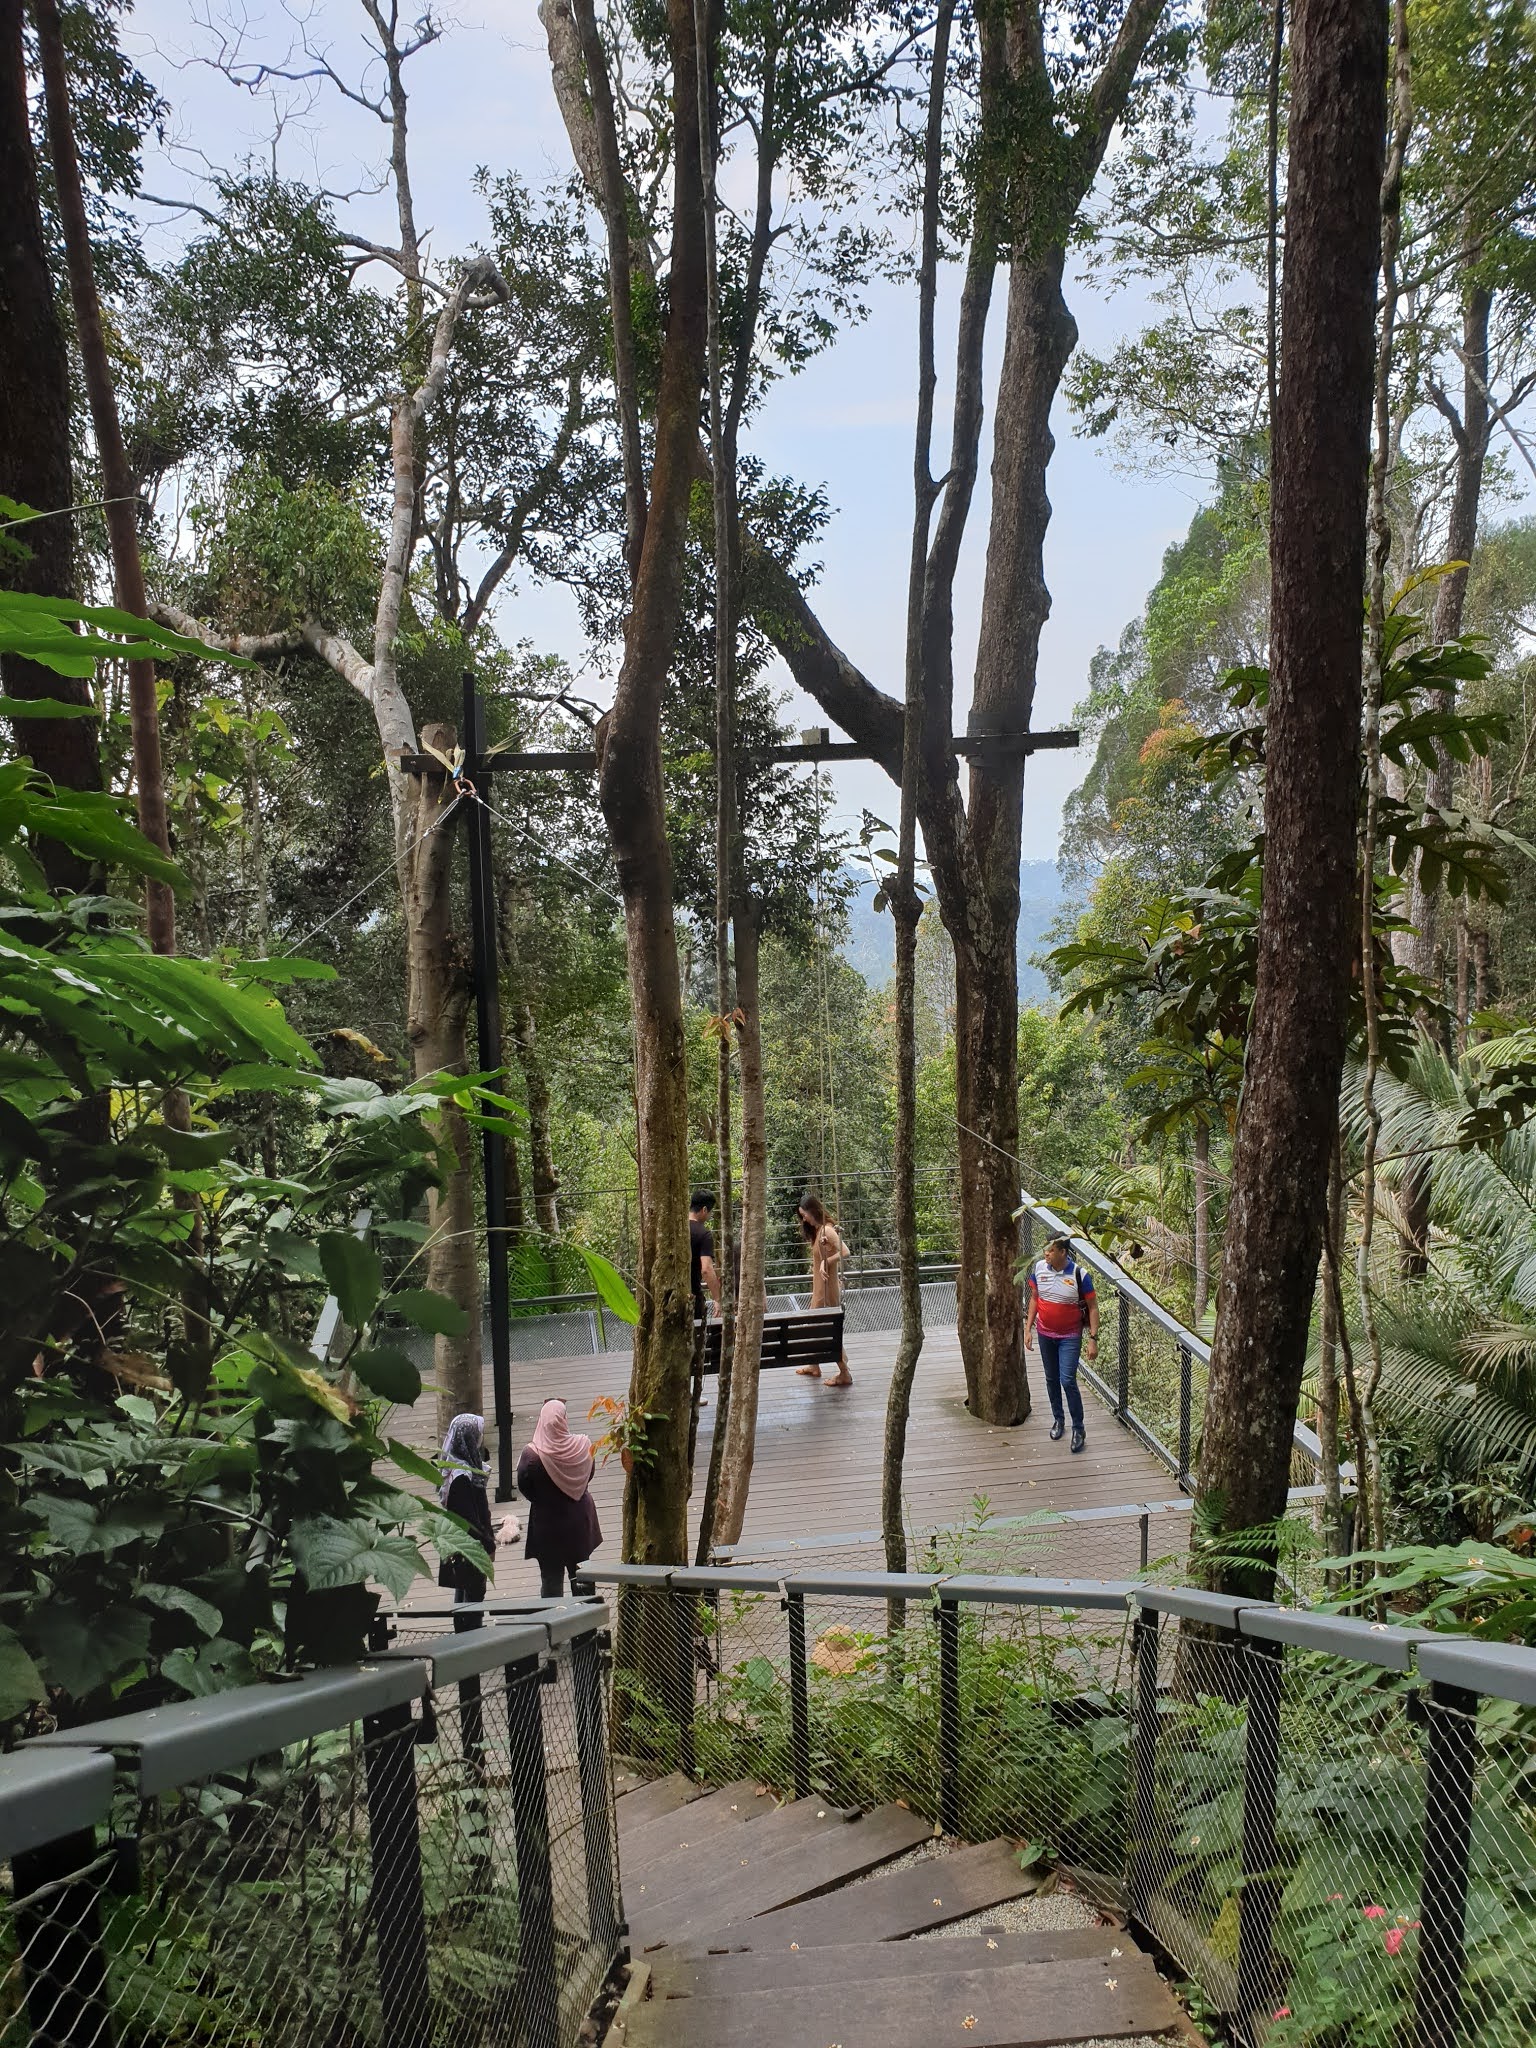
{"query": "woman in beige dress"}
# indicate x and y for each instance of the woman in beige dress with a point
(827, 1254)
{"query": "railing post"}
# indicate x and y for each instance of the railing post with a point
(1123, 1359)
(1186, 1397)
(59, 1942)
(684, 1607)
(395, 1902)
(537, 1984)
(799, 1696)
(1448, 1799)
(1259, 1899)
(592, 1766)
(1146, 1538)
(1027, 1236)
(949, 1716)
(1139, 1874)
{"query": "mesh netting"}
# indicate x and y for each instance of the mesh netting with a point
(401, 1882)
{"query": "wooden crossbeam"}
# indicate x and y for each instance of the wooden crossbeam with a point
(969, 746)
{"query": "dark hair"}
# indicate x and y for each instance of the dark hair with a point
(813, 1206)
(1061, 1238)
(701, 1198)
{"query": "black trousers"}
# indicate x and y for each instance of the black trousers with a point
(552, 1580)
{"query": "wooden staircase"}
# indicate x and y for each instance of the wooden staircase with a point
(760, 1925)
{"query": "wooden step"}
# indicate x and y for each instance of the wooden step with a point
(1017, 2005)
(655, 1798)
(690, 1827)
(834, 1856)
(895, 1903)
(713, 1975)
(724, 1860)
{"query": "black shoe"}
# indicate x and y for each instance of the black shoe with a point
(1058, 1430)
(1078, 1439)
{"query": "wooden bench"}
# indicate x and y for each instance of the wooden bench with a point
(812, 1336)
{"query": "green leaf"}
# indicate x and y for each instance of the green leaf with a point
(177, 1600)
(250, 1079)
(81, 1648)
(431, 1312)
(389, 1373)
(609, 1285)
(297, 1254)
(334, 1553)
(413, 1464)
(354, 1275)
(45, 707)
(21, 1683)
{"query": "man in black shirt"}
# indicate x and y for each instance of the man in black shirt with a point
(701, 1244)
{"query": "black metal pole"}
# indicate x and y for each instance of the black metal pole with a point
(603, 1910)
(537, 1979)
(1186, 1402)
(1259, 1900)
(799, 1697)
(1123, 1360)
(1449, 1791)
(396, 1904)
(482, 920)
(949, 1716)
(1140, 1876)
(684, 1612)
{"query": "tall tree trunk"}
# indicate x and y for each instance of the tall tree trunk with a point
(1306, 938)
(906, 908)
(632, 795)
(546, 1181)
(438, 995)
(1328, 1357)
(35, 465)
(1202, 1230)
(722, 457)
(116, 479)
(741, 1433)
(1470, 429)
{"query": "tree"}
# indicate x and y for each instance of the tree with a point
(630, 782)
(1036, 109)
(1306, 932)
(36, 472)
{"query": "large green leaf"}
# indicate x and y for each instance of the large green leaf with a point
(432, 1312)
(83, 1647)
(21, 1683)
(178, 1600)
(388, 1373)
(354, 1275)
(413, 1464)
(609, 1285)
(45, 707)
(334, 1553)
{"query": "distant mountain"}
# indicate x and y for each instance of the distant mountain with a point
(871, 945)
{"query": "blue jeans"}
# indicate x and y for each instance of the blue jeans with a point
(1058, 1360)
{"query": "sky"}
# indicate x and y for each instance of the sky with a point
(482, 96)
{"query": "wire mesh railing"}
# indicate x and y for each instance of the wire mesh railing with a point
(1326, 1824)
(409, 1854)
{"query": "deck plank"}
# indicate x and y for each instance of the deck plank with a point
(894, 1904)
(835, 1856)
(675, 1881)
(1022, 2005)
(652, 1839)
(716, 1975)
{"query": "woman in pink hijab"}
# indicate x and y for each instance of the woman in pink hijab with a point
(554, 1476)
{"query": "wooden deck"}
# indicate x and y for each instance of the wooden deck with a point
(817, 1474)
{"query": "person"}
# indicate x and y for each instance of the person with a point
(827, 1254)
(701, 1245)
(554, 1476)
(463, 1493)
(1062, 1300)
